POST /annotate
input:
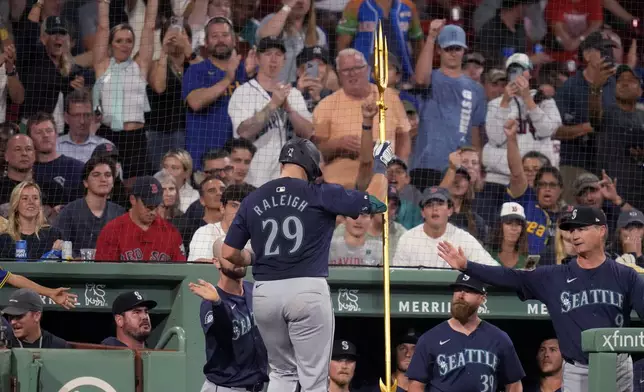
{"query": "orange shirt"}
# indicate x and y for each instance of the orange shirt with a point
(340, 115)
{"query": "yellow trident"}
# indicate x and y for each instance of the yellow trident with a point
(381, 75)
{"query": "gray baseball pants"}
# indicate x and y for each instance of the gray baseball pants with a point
(210, 387)
(575, 377)
(295, 319)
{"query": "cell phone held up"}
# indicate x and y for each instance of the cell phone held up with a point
(312, 69)
(606, 52)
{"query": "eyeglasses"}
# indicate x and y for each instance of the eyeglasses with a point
(216, 172)
(349, 71)
(550, 185)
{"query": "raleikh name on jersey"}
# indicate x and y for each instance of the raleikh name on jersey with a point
(452, 362)
(572, 301)
(281, 201)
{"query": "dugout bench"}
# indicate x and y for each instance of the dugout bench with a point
(420, 298)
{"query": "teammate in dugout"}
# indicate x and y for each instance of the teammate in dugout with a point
(591, 291)
(465, 353)
(141, 234)
(236, 357)
(290, 222)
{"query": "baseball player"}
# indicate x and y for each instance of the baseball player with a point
(235, 352)
(638, 376)
(465, 353)
(403, 352)
(591, 291)
(290, 221)
(343, 365)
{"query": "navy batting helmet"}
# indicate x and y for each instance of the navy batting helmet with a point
(302, 152)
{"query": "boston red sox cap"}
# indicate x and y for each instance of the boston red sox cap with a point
(130, 300)
(344, 349)
(582, 216)
(465, 280)
(106, 150)
(149, 190)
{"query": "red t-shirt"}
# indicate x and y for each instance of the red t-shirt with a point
(121, 239)
(576, 16)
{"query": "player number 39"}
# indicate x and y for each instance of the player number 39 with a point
(290, 229)
(488, 383)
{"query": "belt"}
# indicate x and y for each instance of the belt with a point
(248, 388)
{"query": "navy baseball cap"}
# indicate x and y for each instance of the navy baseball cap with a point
(130, 300)
(582, 216)
(312, 52)
(149, 190)
(267, 43)
(106, 150)
(23, 301)
(629, 217)
(344, 349)
(55, 25)
(452, 35)
(434, 193)
(410, 337)
(467, 281)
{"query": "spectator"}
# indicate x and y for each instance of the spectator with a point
(264, 110)
(509, 241)
(591, 192)
(538, 120)
(119, 194)
(48, 71)
(242, 151)
(140, 234)
(351, 245)
(27, 222)
(79, 143)
(338, 119)
(532, 162)
(577, 135)
(82, 220)
(10, 85)
(401, 27)
(295, 24)
(473, 66)
(404, 212)
(312, 73)
(243, 18)
(412, 116)
(25, 312)
(170, 208)
(403, 351)
(120, 89)
(494, 83)
(398, 177)
(201, 245)
(551, 78)
(417, 247)
(217, 162)
(202, 11)
(627, 240)
(343, 365)
(50, 165)
(20, 157)
(619, 140)
(131, 311)
(167, 116)
(208, 86)
(550, 364)
(7, 130)
(451, 111)
(178, 163)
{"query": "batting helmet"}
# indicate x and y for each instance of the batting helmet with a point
(302, 152)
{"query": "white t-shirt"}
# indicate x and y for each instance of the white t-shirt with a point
(417, 249)
(203, 240)
(249, 99)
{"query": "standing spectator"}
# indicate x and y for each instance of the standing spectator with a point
(27, 222)
(201, 245)
(550, 364)
(417, 247)
(25, 312)
(10, 85)
(242, 151)
(619, 140)
(509, 241)
(295, 24)
(79, 143)
(591, 192)
(398, 177)
(167, 116)
(538, 120)
(243, 18)
(131, 312)
(264, 109)
(140, 234)
(178, 163)
(170, 208)
(208, 86)
(343, 365)
(401, 26)
(452, 110)
(577, 135)
(473, 66)
(412, 116)
(120, 89)
(340, 120)
(82, 220)
(50, 165)
(312, 86)
(494, 83)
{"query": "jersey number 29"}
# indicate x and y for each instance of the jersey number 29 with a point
(488, 383)
(290, 229)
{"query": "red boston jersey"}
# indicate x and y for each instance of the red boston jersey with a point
(121, 239)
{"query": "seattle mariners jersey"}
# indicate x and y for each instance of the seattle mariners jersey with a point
(448, 361)
(577, 299)
(538, 221)
(290, 222)
(235, 352)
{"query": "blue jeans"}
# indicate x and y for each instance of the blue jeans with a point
(161, 142)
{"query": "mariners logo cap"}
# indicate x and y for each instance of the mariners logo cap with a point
(149, 190)
(344, 349)
(23, 301)
(469, 282)
(130, 300)
(582, 216)
(55, 25)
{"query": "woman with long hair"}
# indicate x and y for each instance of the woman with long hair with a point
(171, 198)
(509, 243)
(627, 242)
(120, 90)
(560, 249)
(27, 222)
(295, 24)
